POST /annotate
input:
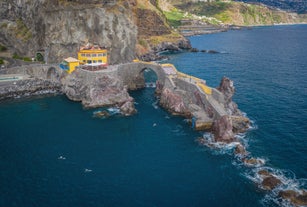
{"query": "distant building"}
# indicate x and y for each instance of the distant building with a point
(89, 57)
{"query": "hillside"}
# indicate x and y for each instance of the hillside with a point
(235, 13)
(128, 28)
(299, 6)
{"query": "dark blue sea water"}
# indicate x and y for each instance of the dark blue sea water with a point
(55, 153)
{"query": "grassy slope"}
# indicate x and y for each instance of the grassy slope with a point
(236, 13)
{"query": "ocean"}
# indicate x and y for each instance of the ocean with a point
(55, 153)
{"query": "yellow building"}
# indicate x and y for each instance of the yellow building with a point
(69, 64)
(93, 56)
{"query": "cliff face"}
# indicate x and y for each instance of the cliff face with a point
(60, 27)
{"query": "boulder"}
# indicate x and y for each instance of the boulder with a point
(101, 114)
(194, 50)
(240, 150)
(240, 124)
(253, 162)
(296, 198)
(128, 108)
(270, 182)
(212, 51)
(263, 173)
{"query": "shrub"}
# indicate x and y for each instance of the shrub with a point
(16, 56)
(2, 48)
(27, 59)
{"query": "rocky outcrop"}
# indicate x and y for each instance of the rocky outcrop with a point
(240, 150)
(153, 53)
(227, 88)
(222, 130)
(98, 89)
(296, 198)
(239, 122)
(269, 181)
(173, 103)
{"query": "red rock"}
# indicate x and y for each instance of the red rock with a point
(253, 161)
(240, 150)
(263, 173)
(270, 182)
(296, 198)
(222, 130)
(173, 103)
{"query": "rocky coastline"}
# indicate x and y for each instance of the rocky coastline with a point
(214, 112)
(28, 88)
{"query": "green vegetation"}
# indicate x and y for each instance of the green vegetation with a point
(2, 48)
(1, 61)
(18, 57)
(174, 17)
(224, 17)
(26, 59)
(206, 9)
(143, 43)
(39, 57)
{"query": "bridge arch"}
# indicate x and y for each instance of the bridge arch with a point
(132, 74)
(52, 74)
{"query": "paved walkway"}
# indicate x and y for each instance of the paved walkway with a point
(12, 78)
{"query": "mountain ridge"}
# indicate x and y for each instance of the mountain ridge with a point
(298, 6)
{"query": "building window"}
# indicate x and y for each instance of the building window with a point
(94, 55)
(94, 61)
(88, 55)
(82, 55)
(89, 62)
(100, 61)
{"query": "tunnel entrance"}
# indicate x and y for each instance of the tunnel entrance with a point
(52, 74)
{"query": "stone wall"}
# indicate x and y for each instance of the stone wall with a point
(40, 71)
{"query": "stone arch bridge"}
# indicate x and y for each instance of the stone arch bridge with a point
(131, 74)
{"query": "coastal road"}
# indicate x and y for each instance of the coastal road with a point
(11, 79)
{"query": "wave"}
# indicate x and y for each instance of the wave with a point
(155, 104)
(255, 170)
(150, 85)
(219, 147)
(288, 182)
(113, 110)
